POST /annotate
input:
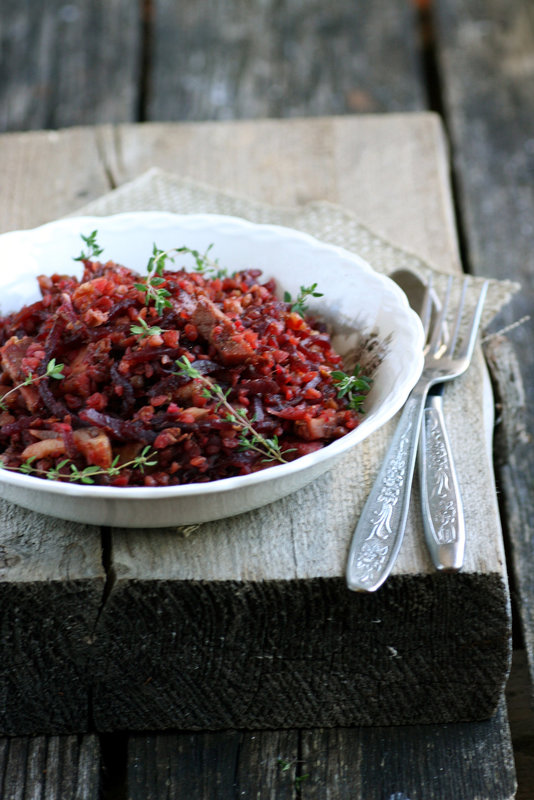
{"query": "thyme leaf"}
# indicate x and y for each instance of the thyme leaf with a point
(352, 387)
(87, 474)
(203, 262)
(299, 306)
(53, 370)
(144, 330)
(153, 287)
(93, 250)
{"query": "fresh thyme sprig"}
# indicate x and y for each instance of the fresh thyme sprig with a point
(353, 387)
(249, 437)
(299, 305)
(153, 286)
(93, 249)
(87, 474)
(53, 370)
(143, 329)
(203, 262)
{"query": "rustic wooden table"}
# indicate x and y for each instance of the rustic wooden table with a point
(473, 67)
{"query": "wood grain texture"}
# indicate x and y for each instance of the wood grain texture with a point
(214, 765)
(50, 767)
(411, 763)
(259, 59)
(274, 654)
(487, 64)
(51, 588)
(435, 762)
(515, 468)
(521, 716)
(39, 183)
(429, 173)
(68, 64)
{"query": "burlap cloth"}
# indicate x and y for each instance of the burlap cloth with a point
(466, 399)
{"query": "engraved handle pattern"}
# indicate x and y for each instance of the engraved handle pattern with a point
(378, 535)
(443, 518)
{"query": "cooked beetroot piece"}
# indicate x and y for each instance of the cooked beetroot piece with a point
(121, 390)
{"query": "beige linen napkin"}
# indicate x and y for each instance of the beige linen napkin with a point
(347, 490)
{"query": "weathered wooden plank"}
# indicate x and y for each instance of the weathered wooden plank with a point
(521, 717)
(515, 468)
(213, 765)
(39, 182)
(473, 761)
(51, 588)
(271, 59)
(291, 556)
(275, 654)
(68, 64)
(49, 768)
(428, 192)
(486, 58)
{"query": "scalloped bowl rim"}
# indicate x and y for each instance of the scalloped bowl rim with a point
(154, 219)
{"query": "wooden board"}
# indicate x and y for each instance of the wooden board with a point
(486, 58)
(521, 716)
(410, 763)
(269, 59)
(72, 186)
(68, 64)
(227, 764)
(51, 588)
(303, 564)
(292, 554)
(50, 767)
(111, 62)
(275, 654)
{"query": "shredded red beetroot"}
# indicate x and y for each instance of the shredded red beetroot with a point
(122, 393)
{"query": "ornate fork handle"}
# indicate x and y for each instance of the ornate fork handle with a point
(443, 518)
(378, 535)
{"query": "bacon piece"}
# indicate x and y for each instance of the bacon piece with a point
(221, 332)
(46, 448)
(13, 353)
(94, 444)
(320, 427)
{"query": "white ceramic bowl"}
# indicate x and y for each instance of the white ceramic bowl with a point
(356, 299)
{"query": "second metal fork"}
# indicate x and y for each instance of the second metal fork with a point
(378, 536)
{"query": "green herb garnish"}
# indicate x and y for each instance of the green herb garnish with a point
(144, 330)
(352, 387)
(93, 249)
(87, 474)
(153, 287)
(53, 370)
(203, 262)
(299, 305)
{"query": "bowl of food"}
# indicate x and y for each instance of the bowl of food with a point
(161, 369)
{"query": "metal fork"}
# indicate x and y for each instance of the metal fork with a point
(378, 535)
